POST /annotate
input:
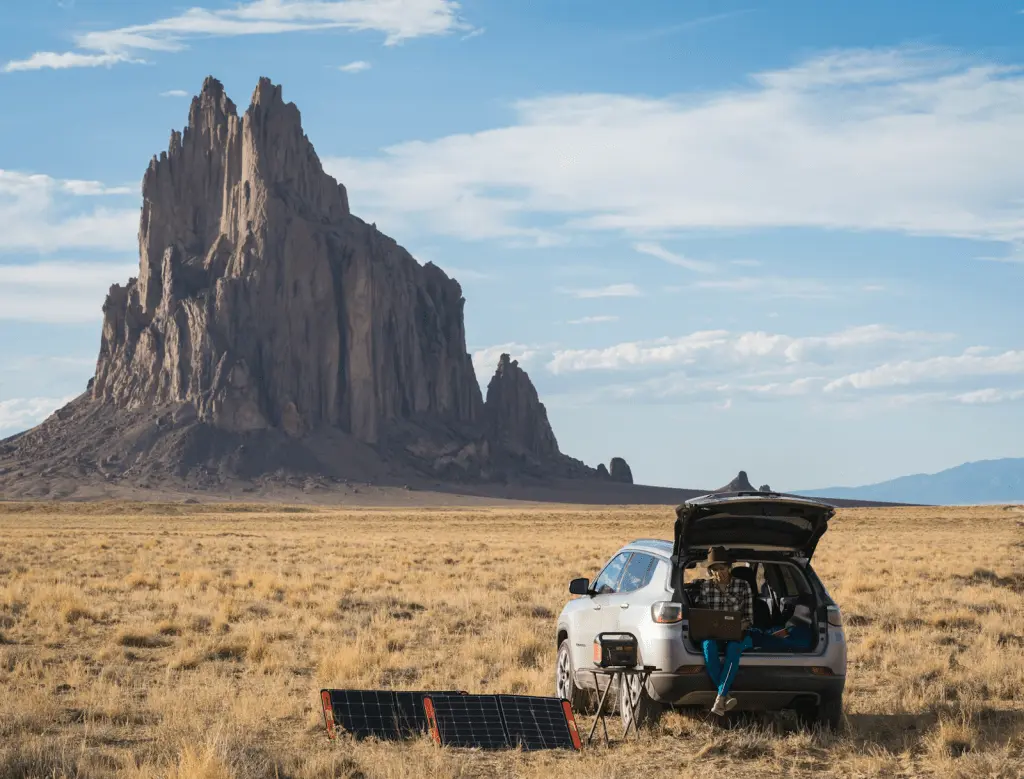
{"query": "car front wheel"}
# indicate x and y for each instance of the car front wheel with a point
(565, 681)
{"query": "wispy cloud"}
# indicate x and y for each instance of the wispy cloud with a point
(610, 291)
(43, 214)
(990, 395)
(49, 60)
(685, 26)
(943, 368)
(735, 348)
(58, 292)
(174, 93)
(593, 320)
(399, 20)
(906, 140)
(770, 287)
(355, 67)
(659, 251)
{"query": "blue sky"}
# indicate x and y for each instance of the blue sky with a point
(778, 236)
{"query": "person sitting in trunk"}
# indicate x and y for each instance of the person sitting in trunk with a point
(723, 592)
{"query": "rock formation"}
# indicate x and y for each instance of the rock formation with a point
(740, 484)
(515, 418)
(264, 303)
(271, 334)
(602, 471)
(619, 470)
(764, 488)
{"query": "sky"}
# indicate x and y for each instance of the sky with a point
(785, 237)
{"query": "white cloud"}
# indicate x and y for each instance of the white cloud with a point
(659, 251)
(399, 20)
(19, 414)
(58, 292)
(593, 320)
(355, 67)
(990, 395)
(174, 93)
(942, 368)
(610, 291)
(43, 214)
(734, 349)
(54, 61)
(896, 140)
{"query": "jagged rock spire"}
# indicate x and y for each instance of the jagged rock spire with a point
(514, 415)
(262, 301)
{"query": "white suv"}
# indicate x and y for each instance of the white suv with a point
(645, 589)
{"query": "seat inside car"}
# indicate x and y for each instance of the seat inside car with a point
(762, 614)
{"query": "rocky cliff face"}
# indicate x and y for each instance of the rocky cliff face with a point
(265, 304)
(515, 418)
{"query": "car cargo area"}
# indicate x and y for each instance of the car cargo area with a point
(778, 586)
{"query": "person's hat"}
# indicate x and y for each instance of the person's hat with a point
(718, 556)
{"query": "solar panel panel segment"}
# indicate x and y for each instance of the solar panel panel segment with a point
(468, 721)
(383, 714)
(536, 723)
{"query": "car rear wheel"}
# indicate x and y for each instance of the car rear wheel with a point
(648, 711)
(565, 681)
(826, 713)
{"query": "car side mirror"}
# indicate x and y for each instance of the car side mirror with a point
(579, 587)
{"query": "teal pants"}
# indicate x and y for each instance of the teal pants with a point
(721, 677)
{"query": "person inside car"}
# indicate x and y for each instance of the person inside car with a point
(723, 592)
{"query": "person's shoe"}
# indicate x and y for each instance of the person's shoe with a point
(730, 703)
(719, 707)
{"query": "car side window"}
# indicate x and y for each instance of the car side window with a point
(608, 581)
(638, 572)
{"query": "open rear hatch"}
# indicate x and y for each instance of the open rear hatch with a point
(751, 520)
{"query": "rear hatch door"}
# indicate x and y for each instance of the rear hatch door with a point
(755, 521)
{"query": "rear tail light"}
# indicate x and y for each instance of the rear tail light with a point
(820, 670)
(666, 612)
(835, 616)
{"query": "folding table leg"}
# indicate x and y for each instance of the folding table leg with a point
(600, 711)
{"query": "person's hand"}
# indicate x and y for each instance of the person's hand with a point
(746, 624)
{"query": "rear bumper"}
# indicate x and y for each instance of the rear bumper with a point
(760, 687)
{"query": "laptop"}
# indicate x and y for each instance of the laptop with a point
(719, 625)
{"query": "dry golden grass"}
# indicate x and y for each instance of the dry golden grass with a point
(190, 641)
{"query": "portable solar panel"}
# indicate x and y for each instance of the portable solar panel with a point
(384, 714)
(501, 721)
(466, 721)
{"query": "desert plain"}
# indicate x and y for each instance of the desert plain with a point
(191, 640)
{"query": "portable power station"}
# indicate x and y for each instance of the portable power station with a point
(616, 650)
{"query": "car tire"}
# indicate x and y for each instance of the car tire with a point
(826, 713)
(565, 682)
(648, 711)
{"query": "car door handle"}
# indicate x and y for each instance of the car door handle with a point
(623, 605)
(597, 607)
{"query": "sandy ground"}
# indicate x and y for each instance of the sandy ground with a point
(190, 640)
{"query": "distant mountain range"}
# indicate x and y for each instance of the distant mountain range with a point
(985, 481)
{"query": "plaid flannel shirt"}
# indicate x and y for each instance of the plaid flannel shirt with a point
(737, 597)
